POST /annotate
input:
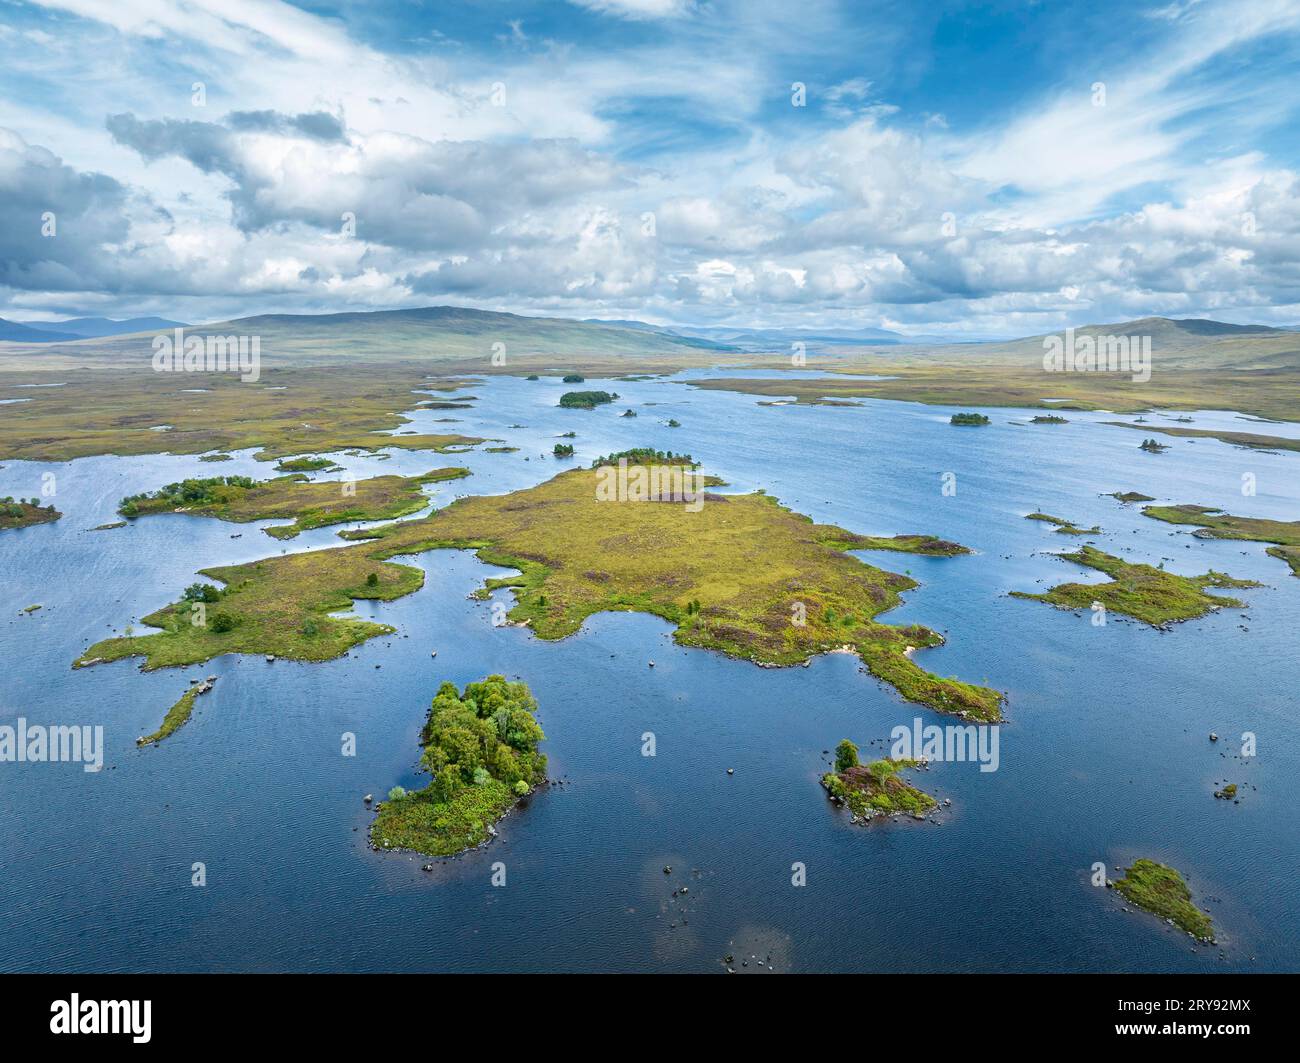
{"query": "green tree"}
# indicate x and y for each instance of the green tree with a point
(846, 756)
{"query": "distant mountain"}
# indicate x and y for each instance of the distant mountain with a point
(13, 332)
(98, 327)
(1187, 343)
(436, 334)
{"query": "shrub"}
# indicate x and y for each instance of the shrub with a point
(222, 622)
(521, 788)
(846, 756)
(372, 580)
(396, 793)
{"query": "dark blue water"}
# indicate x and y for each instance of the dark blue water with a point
(1104, 756)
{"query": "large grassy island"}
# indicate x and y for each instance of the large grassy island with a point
(1144, 592)
(480, 746)
(240, 499)
(738, 573)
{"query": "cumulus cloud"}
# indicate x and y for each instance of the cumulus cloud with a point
(344, 176)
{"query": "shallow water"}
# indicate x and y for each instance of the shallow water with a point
(1104, 756)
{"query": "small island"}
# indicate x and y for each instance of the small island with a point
(318, 504)
(562, 450)
(178, 715)
(304, 464)
(586, 400)
(18, 513)
(1144, 592)
(1130, 496)
(875, 789)
(1048, 418)
(1213, 523)
(1063, 526)
(1152, 446)
(628, 413)
(974, 419)
(1161, 890)
(573, 378)
(480, 747)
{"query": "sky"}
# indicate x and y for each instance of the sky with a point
(940, 168)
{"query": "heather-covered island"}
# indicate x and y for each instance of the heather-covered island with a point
(480, 747)
(1144, 592)
(875, 789)
(18, 513)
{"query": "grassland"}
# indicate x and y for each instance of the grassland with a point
(877, 789)
(289, 412)
(1144, 592)
(742, 575)
(19, 514)
(480, 746)
(309, 505)
(1161, 890)
(1063, 526)
(1215, 524)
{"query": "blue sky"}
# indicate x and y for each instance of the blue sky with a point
(969, 169)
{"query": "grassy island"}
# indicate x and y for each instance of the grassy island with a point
(179, 713)
(1162, 891)
(975, 419)
(740, 574)
(875, 789)
(240, 499)
(586, 400)
(480, 746)
(1130, 496)
(1063, 526)
(1048, 418)
(1215, 524)
(17, 513)
(1144, 592)
(305, 464)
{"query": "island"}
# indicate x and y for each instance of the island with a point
(739, 574)
(1213, 523)
(1144, 592)
(1152, 446)
(480, 747)
(305, 464)
(240, 499)
(586, 400)
(573, 378)
(1063, 526)
(178, 715)
(1161, 890)
(875, 789)
(975, 419)
(562, 450)
(1130, 496)
(19, 513)
(1048, 418)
